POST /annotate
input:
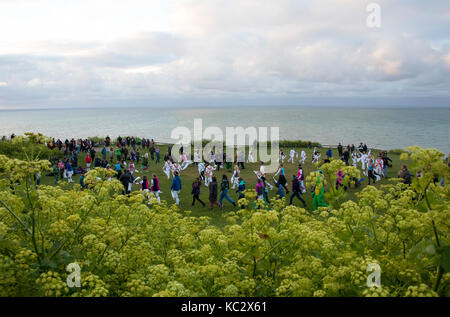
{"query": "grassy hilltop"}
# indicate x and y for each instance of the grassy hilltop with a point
(188, 176)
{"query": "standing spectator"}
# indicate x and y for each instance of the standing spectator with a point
(405, 174)
(118, 169)
(104, 153)
(69, 172)
(340, 149)
(56, 172)
(329, 153)
(88, 162)
(152, 152)
(61, 168)
(346, 156)
(82, 181)
(92, 152)
(158, 155)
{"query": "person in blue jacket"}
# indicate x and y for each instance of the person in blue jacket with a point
(329, 153)
(241, 188)
(225, 186)
(69, 170)
(176, 187)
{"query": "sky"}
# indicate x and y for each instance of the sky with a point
(105, 53)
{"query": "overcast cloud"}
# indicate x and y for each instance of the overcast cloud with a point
(135, 52)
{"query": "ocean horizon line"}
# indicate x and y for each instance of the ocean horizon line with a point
(400, 107)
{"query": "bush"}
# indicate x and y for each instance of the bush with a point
(126, 247)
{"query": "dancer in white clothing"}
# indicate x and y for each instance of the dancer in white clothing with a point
(197, 157)
(212, 157)
(235, 177)
(282, 156)
(167, 168)
(250, 157)
(185, 162)
(303, 156)
(355, 158)
(261, 172)
(363, 159)
(292, 154)
(316, 157)
(379, 164)
(175, 168)
(209, 174)
(201, 169)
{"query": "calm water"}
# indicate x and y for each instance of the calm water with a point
(379, 128)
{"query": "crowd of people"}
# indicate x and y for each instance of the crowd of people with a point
(124, 156)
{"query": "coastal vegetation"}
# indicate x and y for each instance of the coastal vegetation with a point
(127, 247)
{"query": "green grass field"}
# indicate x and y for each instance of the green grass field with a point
(188, 176)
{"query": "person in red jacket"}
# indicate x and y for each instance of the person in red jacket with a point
(155, 187)
(88, 161)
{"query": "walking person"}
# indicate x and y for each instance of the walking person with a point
(196, 192)
(224, 187)
(155, 187)
(259, 189)
(241, 188)
(125, 180)
(280, 188)
(370, 171)
(296, 191)
(144, 184)
(213, 193)
(176, 187)
(282, 178)
(386, 161)
(267, 186)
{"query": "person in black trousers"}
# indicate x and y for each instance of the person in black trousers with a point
(196, 192)
(296, 191)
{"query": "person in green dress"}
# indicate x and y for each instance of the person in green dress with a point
(318, 193)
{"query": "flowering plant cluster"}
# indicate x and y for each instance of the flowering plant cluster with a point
(126, 247)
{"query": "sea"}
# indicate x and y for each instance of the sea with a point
(380, 128)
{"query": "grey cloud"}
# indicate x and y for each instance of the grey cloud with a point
(249, 50)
